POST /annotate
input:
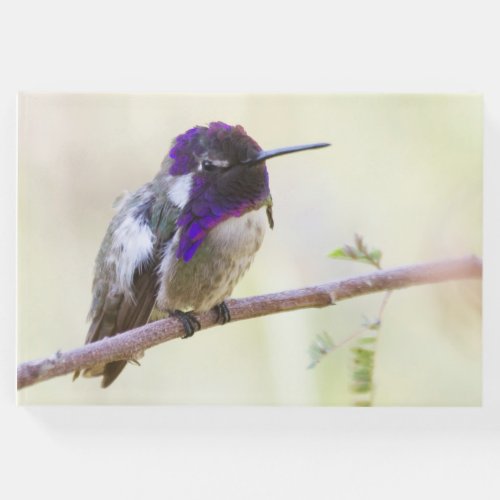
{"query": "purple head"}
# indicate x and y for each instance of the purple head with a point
(219, 142)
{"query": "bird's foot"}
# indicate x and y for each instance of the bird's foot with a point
(189, 322)
(223, 315)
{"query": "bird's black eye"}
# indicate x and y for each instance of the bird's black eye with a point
(208, 165)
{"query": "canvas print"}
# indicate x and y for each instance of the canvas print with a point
(249, 249)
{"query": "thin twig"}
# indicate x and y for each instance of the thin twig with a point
(387, 296)
(126, 345)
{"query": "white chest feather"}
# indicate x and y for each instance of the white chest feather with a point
(240, 236)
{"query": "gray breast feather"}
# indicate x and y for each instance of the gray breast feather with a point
(218, 264)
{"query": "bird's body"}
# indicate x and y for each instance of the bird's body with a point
(182, 241)
(209, 278)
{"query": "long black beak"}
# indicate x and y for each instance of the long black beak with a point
(271, 153)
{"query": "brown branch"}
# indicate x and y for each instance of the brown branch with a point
(128, 344)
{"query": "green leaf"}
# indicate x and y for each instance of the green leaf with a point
(376, 255)
(361, 388)
(362, 353)
(320, 347)
(362, 375)
(360, 245)
(363, 403)
(359, 253)
(368, 340)
(338, 253)
(371, 324)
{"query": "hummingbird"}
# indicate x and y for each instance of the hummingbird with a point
(180, 243)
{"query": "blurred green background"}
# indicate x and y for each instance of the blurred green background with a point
(404, 171)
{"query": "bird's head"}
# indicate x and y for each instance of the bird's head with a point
(224, 174)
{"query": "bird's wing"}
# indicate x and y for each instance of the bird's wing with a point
(125, 282)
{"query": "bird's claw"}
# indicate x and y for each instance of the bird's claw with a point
(223, 315)
(189, 322)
